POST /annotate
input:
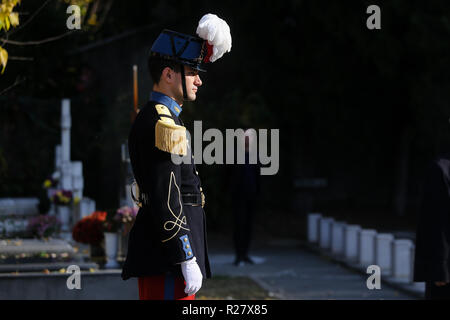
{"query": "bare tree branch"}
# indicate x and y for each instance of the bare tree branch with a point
(21, 58)
(4, 40)
(17, 82)
(109, 40)
(34, 43)
(29, 19)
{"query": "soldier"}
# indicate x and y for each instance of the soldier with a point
(167, 249)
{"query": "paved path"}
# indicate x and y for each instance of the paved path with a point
(289, 272)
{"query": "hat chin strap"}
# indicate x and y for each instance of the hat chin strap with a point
(183, 82)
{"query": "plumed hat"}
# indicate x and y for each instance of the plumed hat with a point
(214, 39)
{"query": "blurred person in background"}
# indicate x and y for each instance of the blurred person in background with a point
(431, 263)
(246, 188)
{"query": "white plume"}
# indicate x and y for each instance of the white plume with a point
(217, 32)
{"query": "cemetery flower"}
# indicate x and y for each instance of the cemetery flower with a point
(44, 226)
(47, 183)
(62, 197)
(126, 216)
(50, 182)
(112, 223)
(90, 229)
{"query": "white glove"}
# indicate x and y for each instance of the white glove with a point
(192, 275)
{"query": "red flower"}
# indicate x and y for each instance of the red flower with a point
(90, 229)
(99, 215)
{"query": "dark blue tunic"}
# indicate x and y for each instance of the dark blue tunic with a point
(166, 231)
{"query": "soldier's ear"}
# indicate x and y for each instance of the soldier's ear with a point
(167, 74)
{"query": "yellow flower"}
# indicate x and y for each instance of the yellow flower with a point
(47, 184)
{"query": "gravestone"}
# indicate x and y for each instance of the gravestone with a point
(313, 227)
(14, 215)
(383, 255)
(15, 212)
(325, 232)
(366, 250)
(351, 243)
(22, 254)
(70, 173)
(337, 238)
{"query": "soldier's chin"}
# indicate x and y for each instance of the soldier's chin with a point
(191, 97)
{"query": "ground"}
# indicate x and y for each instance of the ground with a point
(232, 288)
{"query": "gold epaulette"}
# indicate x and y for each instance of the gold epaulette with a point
(169, 136)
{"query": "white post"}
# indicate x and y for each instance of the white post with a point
(77, 179)
(63, 213)
(111, 246)
(128, 174)
(337, 238)
(58, 157)
(351, 242)
(367, 247)
(92, 206)
(66, 123)
(411, 262)
(402, 256)
(325, 232)
(313, 227)
(66, 166)
(66, 176)
(85, 208)
(383, 252)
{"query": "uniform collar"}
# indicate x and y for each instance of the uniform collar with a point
(167, 101)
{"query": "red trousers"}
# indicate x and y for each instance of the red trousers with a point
(163, 287)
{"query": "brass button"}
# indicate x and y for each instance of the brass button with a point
(187, 246)
(189, 253)
(185, 239)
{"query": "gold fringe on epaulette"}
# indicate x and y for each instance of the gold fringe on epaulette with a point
(170, 138)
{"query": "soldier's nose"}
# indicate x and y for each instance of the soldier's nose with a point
(198, 81)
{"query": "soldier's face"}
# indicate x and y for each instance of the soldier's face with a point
(193, 82)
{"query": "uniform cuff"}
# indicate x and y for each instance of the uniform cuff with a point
(186, 246)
